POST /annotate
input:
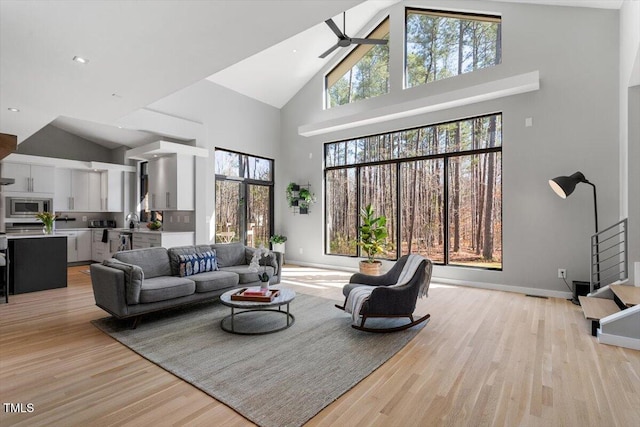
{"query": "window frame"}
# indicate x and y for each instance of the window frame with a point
(245, 181)
(382, 29)
(452, 15)
(399, 161)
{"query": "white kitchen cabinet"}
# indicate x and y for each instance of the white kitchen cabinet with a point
(164, 239)
(29, 178)
(77, 190)
(62, 195)
(84, 245)
(111, 190)
(171, 183)
(99, 249)
(78, 244)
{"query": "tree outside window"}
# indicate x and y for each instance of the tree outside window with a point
(440, 45)
(363, 74)
(439, 186)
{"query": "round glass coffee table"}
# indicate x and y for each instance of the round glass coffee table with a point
(257, 318)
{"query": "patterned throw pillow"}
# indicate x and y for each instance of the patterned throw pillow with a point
(189, 264)
(197, 263)
(208, 261)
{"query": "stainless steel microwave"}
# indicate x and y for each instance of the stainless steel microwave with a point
(27, 208)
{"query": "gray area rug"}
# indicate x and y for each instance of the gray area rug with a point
(279, 379)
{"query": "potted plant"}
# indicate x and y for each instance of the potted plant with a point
(48, 220)
(277, 242)
(372, 239)
(306, 199)
(292, 198)
(254, 266)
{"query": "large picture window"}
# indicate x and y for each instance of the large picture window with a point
(444, 44)
(363, 74)
(439, 186)
(244, 198)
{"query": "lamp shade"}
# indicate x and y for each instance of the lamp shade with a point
(564, 185)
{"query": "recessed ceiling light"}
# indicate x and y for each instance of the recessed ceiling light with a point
(295, 51)
(80, 59)
(15, 110)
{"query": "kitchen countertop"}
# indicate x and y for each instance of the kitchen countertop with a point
(121, 230)
(33, 236)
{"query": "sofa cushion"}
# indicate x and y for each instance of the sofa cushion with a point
(247, 276)
(133, 278)
(174, 254)
(229, 254)
(214, 280)
(165, 288)
(154, 262)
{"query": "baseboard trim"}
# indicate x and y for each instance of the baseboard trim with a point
(482, 285)
(617, 340)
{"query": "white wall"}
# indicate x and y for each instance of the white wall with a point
(575, 127)
(230, 121)
(629, 92)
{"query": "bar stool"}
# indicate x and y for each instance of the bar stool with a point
(4, 265)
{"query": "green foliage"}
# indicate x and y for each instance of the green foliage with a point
(373, 233)
(306, 197)
(291, 189)
(368, 78)
(441, 47)
(278, 238)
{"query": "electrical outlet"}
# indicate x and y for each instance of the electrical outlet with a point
(301, 251)
(562, 273)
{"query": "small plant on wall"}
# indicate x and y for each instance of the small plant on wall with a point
(292, 194)
(306, 199)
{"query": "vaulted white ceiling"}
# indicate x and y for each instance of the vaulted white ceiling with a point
(138, 51)
(141, 51)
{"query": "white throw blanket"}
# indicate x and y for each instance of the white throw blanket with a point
(358, 296)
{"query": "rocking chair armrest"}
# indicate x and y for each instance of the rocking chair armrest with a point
(365, 279)
(394, 300)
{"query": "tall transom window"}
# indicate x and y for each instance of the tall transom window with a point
(439, 186)
(446, 44)
(363, 74)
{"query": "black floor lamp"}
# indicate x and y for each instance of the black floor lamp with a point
(564, 186)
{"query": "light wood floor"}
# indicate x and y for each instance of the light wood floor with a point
(485, 358)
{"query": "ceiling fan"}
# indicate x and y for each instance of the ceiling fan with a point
(343, 39)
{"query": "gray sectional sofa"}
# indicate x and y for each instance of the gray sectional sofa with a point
(141, 281)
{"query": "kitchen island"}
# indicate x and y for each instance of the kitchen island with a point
(38, 262)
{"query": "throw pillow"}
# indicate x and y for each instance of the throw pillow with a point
(189, 265)
(208, 261)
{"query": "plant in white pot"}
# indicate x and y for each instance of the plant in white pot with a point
(372, 239)
(277, 243)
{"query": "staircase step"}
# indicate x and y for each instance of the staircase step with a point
(629, 295)
(597, 308)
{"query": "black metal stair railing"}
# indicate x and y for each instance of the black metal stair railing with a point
(609, 255)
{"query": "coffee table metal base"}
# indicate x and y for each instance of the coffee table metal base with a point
(227, 324)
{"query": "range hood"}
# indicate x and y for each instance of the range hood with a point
(7, 181)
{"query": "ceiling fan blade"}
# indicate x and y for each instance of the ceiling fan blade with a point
(369, 41)
(334, 28)
(331, 49)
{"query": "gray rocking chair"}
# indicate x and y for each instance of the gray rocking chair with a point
(384, 296)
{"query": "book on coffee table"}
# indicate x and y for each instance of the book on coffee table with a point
(243, 295)
(257, 291)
